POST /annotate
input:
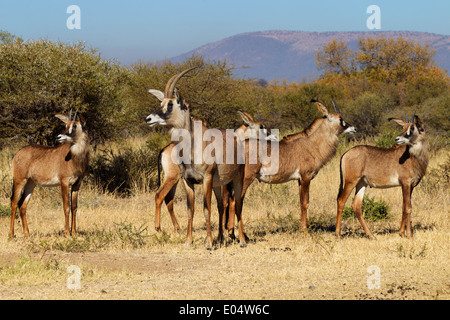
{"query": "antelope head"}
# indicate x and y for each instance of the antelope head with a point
(74, 127)
(335, 119)
(174, 109)
(257, 128)
(413, 131)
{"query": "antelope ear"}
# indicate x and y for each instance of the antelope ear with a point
(419, 123)
(399, 121)
(246, 117)
(82, 120)
(158, 94)
(322, 108)
(62, 117)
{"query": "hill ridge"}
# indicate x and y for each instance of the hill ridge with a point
(287, 54)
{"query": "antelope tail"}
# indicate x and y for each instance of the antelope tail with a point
(341, 183)
(159, 167)
(12, 192)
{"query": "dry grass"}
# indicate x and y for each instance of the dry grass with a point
(121, 257)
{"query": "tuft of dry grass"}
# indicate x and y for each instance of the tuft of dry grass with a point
(121, 256)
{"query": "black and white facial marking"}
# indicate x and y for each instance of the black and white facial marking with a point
(410, 135)
(170, 108)
(346, 128)
(339, 123)
(335, 117)
(412, 131)
(73, 128)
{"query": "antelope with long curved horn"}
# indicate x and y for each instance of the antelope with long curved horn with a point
(403, 165)
(64, 165)
(212, 174)
(172, 174)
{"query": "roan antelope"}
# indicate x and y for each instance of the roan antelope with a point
(64, 165)
(166, 191)
(175, 113)
(403, 166)
(301, 155)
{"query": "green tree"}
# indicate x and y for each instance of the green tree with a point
(41, 78)
(211, 90)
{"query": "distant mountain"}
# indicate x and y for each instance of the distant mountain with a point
(290, 54)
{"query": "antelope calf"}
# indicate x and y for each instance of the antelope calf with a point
(64, 165)
(166, 191)
(301, 155)
(403, 166)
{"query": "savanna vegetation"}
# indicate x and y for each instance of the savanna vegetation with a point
(117, 249)
(384, 78)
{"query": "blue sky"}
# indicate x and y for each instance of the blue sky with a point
(152, 30)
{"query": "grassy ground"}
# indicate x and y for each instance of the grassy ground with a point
(121, 256)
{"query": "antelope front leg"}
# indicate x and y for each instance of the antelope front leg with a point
(231, 209)
(406, 208)
(190, 200)
(239, 195)
(74, 205)
(221, 207)
(65, 198)
(304, 200)
(207, 192)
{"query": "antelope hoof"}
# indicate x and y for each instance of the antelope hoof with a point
(187, 244)
(208, 244)
(157, 229)
(243, 244)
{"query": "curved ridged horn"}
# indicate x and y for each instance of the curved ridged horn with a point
(412, 118)
(259, 116)
(336, 108)
(75, 116)
(406, 115)
(170, 87)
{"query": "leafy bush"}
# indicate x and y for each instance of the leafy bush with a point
(437, 178)
(129, 234)
(386, 139)
(435, 113)
(366, 113)
(125, 170)
(5, 210)
(371, 210)
(39, 79)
